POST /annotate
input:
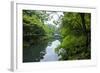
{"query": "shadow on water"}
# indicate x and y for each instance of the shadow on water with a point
(37, 51)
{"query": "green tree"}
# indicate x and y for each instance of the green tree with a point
(75, 30)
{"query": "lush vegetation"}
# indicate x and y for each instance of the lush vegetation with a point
(34, 29)
(35, 33)
(75, 30)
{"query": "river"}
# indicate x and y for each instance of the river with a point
(50, 54)
(43, 51)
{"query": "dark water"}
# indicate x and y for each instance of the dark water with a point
(43, 51)
(33, 53)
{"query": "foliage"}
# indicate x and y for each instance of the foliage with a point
(76, 41)
(34, 29)
(74, 33)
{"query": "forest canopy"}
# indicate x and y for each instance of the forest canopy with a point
(72, 29)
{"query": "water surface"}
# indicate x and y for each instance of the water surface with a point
(50, 52)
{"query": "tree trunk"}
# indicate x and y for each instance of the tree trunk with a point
(83, 22)
(84, 27)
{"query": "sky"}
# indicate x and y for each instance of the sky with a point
(54, 16)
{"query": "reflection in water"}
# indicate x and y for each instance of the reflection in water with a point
(44, 51)
(35, 52)
(50, 51)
